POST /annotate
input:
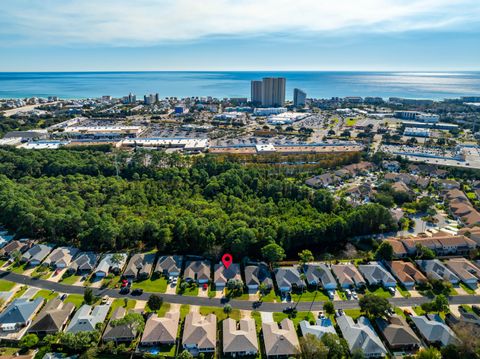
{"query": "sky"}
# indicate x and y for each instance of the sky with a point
(143, 35)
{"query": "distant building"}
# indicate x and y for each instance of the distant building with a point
(273, 91)
(256, 92)
(299, 98)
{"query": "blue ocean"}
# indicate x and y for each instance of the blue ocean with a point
(422, 85)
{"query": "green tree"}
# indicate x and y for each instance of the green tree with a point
(374, 306)
(337, 347)
(185, 355)
(28, 341)
(429, 353)
(273, 253)
(134, 321)
(358, 354)
(155, 302)
(312, 347)
(305, 256)
(329, 308)
(424, 252)
(227, 309)
(384, 252)
(88, 296)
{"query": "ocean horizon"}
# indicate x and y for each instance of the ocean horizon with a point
(318, 84)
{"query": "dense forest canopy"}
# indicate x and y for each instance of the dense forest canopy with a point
(104, 200)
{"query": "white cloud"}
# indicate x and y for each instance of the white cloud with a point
(120, 22)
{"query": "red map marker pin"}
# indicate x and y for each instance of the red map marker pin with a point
(227, 260)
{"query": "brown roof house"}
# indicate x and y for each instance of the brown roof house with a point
(280, 340)
(140, 266)
(348, 275)
(239, 339)
(399, 250)
(222, 275)
(197, 271)
(398, 334)
(161, 330)
(52, 318)
(468, 272)
(200, 333)
(406, 273)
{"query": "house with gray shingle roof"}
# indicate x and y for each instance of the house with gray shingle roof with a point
(239, 339)
(319, 273)
(197, 271)
(107, 264)
(256, 274)
(322, 326)
(87, 317)
(361, 335)
(52, 318)
(161, 330)
(120, 333)
(60, 257)
(435, 269)
(398, 334)
(280, 339)
(169, 266)
(35, 255)
(222, 274)
(348, 275)
(140, 266)
(434, 330)
(288, 278)
(376, 274)
(84, 262)
(19, 314)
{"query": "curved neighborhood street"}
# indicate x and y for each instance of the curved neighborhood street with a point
(217, 302)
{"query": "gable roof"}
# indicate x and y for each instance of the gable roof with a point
(20, 311)
(61, 255)
(361, 335)
(288, 277)
(437, 270)
(197, 269)
(319, 273)
(169, 264)
(321, 327)
(106, 263)
(140, 264)
(241, 339)
(397, 332)
(463, 268)
(84, 261)
(433, 329)
(256, 274)
(406, 272)
(347, 274)
(280, 339)
(161, 329)
(122, 331)
(87, 317)
(37, 252)
(200, 330)
(374, 272)
(223, 274)
(52, 317)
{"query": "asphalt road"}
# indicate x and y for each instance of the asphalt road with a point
(216, 302)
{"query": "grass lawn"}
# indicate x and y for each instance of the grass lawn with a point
(163, 309)
(120, 302)
(6, 351)
(6, 286)
(152, 285)
(41, 272)
(18, 268)
(309, 295)
(298, 318)
(184, 310)
(342, 295)
(191, 290)
(258, 320)
(167, 351)
(110, 282)
(235, 314)
(46, 294)
(380, 291)
(403, 291)
(20, 292)
(354, 313)
(350, 122)
(418, 310)
(271, 297)
(467, 289)
(399, 312)
(233, 295)
(70, 280)
(76, 299)
(468, 308)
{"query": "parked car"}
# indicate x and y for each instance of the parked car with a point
(125, 290)
(137, 291)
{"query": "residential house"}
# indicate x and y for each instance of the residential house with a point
(120, 333)
(197, 271)
(434, 330)
(391, 166)
(87, 317)
(441, 243)
(161, 330)
(288, 278)
(241, 339)
(35, 255)
(435, 269)
(348, 275)
(15, 247)
(19, 314)
(464, 318)
(280, 339)
(375, 274)
(52, 318)
(361, 336)
(322, 326)
(140, 266)
(5, 238)
(323, 180)
(256, 274)
(200, 333)
(399, 250)
(398, 334)
(84, 262)
(362, 167)
(111, 262)
(407, 274)
(222, 274)
(319, 273)
(472, 233)
(60, 257)
(447, 184)
(169, 266)
(461, 207)
(468, 272)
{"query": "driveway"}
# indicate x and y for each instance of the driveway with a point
(267, 317)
